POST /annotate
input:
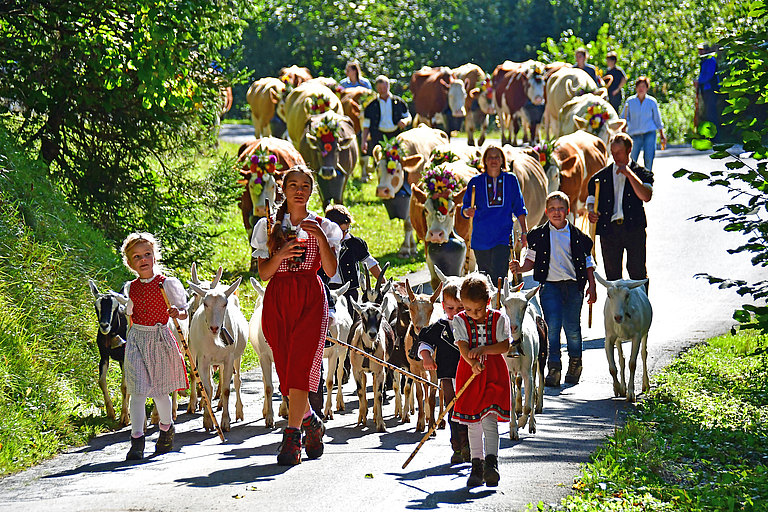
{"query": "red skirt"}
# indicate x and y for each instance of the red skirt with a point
(295, 323)
(488, 394)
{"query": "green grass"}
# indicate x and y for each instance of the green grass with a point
(698, 442)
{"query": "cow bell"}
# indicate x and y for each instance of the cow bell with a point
(398, 207)
(448, 257)
(331, 185)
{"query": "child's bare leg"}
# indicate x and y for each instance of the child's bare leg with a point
(298, 406)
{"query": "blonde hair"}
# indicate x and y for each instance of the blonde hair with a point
(136, 238)
(276, 236)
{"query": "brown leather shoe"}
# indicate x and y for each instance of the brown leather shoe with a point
(553, 379)
(574, 371)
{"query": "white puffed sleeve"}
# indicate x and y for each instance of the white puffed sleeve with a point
(259, 239)
(459, 330)
(129, 305)
(333, 233)
(503, 332)
(177, 295)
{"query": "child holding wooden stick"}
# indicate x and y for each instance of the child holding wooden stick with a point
(482, 335)
(154, 366)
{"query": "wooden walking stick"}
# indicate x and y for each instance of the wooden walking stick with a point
(440, 418)
(203, 393)
(593, 235)
(382, 362)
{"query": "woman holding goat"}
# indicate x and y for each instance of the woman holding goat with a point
(295, 313)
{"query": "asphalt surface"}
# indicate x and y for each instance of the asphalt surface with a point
(361, 469)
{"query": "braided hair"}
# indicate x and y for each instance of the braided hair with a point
(276, 235)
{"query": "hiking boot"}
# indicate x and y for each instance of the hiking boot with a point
(553, 379)
(574, 371)
(165, 441)
(314, 429)
(137, 449)
(290, 448)
(491, 471)
(457, 457)
(476, 476)
(464, 441)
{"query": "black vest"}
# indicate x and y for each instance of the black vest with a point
(581, 247)
(634, 212)
(373, 111)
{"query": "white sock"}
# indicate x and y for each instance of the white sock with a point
(138, 415)
(475, 431)
(491, 431)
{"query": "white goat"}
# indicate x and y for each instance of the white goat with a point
(524, 361)
(628, 316)
(266, 358)
(339, 329)
(219, 310)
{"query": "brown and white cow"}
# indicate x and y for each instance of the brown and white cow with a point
(329, 146)
(429, 87)
(579, 155)
(591, 113)
(396, 179)
(294, 75)
(515, 85)
(437, 221)
(263, 96)
(464, 99)
(252, 202)
(353, 101)
(562, 85)
(310, 98)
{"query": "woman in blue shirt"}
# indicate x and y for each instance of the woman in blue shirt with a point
(354, 77)
(643, 119)
(498, 200)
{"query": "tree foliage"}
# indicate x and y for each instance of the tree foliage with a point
(116, 95)
(745, 87)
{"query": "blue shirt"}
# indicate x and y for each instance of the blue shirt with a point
(494, 219)
(642, 117)
(708, 74)
(361, 82)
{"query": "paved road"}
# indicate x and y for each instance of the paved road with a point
(361, 469)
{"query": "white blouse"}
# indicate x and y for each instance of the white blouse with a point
(460, 330)
(260, 236)
(173, 288)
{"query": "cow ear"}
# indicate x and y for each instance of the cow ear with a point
(617, 125)
(377, 153)
(346, 143)
(274, 96)
(602, 92)
(580, 122)
(312, 141)
(459, 197)
(474, 93)
(568, 165)
(412, 163)
(419, 195)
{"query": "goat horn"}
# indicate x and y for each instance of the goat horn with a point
(216, 278)
(193, 277)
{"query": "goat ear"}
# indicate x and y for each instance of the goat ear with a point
(257, 286)
(122, 299)
(197, 290)
(529, 295)
(411, 295)
(385, 289)
(356, 306)
(505, 288)
(435, 295)
(635, 284)
(94, 289)
(193, 274)
(217, 278)
(229, 291)
(602, 281)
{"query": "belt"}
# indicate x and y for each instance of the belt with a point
(618, 222)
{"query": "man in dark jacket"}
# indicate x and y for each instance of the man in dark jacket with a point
(560, 257)
(387, 116)
(624, 186)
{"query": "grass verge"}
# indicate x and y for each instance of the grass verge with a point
(699, 441)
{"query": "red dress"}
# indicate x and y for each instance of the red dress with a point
(489, 393)
(295, 320)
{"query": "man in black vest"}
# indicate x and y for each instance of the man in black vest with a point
(387, 116)
(561, 259)
(624, 186)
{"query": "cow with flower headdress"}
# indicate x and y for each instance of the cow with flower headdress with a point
(399, 163)
(264, 96)
(310, 98)
(263, 163)
(437, 221)
(329, 146)
(591, 113)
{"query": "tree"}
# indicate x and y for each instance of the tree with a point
(115, 93)
(745, 86)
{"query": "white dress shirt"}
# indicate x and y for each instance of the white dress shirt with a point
(385, 122)
(619, 181)
(561, 260)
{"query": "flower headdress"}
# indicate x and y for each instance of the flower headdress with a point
(486, 87)
(440, 184)
(536, 69)
(544, 149)
(319, 104)
(438, 156)
(393, 153)
(327, 133)
(286, 79)
(263, 163)
(597, 114)
(476, 162)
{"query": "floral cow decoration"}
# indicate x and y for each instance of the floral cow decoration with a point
(597, 115)
(440, 185)
(486, 88)
(439, 156)
(319, 104)
(393, 153)
(545, 149)
(263, 165)
(327, 133)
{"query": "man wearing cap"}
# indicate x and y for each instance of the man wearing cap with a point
(581, 63)
(615, 90)
(386, 116)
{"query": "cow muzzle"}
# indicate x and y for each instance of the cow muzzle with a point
(214, 330)
(260, 211)
(538, 100)
(327, 173)
(437, 236)
(384, 193)
(459, 113)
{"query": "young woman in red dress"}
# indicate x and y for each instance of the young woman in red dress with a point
(482, 335)
(295, 311)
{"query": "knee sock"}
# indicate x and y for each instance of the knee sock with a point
(476, 440)
(490, 428)
(138, 415)
(163, 404)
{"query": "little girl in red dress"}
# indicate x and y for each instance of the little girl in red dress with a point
(482, 335)
(154, 366)
(295, 311)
